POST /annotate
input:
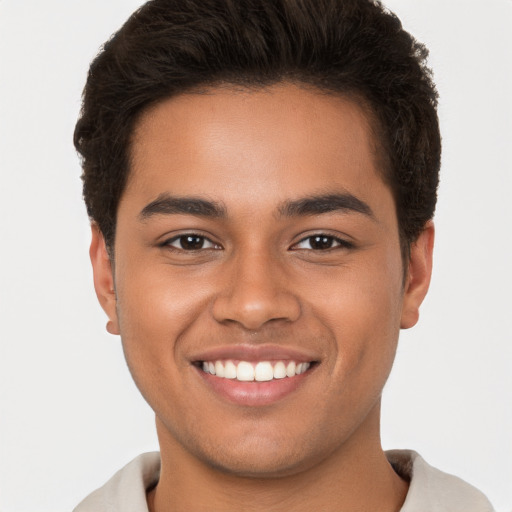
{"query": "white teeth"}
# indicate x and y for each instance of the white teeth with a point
(279, 370)
(230, 370)
(262, 371)
(219, 369)
(301, 368)
(245, 371)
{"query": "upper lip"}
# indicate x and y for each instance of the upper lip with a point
(250, 353)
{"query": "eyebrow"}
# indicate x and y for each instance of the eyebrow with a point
(327, 203)
(166, 204)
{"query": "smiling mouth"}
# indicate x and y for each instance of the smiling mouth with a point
(255, 371)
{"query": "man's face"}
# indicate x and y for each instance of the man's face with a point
(257, 237)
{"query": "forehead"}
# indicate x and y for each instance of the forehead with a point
(243, 145)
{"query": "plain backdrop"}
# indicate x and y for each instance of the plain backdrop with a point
(70, 415)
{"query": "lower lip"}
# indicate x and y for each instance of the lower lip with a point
(254, 393)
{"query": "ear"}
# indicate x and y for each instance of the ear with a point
(418, 276)
(103, 278)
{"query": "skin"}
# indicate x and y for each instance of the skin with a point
(257, 281)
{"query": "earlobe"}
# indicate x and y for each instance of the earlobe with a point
(103, 278)
(418, 276)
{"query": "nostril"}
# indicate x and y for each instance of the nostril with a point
(253, 313)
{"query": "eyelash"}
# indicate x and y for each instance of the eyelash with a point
(322, 237)
(168, 243)
(201, 240)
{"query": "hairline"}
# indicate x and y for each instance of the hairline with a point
(248, 84)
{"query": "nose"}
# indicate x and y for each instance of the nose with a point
(255, 292)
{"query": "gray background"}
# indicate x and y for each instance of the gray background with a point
(70, 415)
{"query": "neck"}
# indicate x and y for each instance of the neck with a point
(356, 476)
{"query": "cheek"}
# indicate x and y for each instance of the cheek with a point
(364, 294)
(155, 312)
(151, 299)
(361, 306)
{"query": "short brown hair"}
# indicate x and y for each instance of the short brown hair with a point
(350, 47)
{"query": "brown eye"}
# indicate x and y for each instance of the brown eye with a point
(191, 242)
(319, 243)
(322, 242)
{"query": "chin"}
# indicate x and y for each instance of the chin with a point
(261, 465)
(261, 456)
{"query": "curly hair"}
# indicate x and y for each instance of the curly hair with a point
(355, 48)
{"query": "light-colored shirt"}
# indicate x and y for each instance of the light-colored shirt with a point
(430, 490)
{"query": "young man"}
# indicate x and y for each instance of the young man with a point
(261, 177)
